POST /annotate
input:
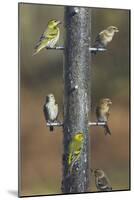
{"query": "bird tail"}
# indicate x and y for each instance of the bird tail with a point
(94, 52)
(39, 47)
(70, 165)
(34, 53)
(36, 50)
(109, 189)
(51, 128)
(69, 171)
(107, 130)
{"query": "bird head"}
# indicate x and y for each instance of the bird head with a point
(53, 23)
(99, 173)
(50, 98)
(106, 101)
(79, 137)
(112, 29)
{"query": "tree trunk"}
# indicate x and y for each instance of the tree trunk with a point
(77, 97)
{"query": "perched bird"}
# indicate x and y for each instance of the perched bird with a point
(50, 109)
(104, 37)
(101, 180)
(50, 37)
(75, 149)
(102, 113)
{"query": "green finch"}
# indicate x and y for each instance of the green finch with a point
(101, 180)
(75, 149)
(105, 36)
(50, 37)
(50, 109)
(102, 113)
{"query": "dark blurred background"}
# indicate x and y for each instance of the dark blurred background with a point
(41, 151)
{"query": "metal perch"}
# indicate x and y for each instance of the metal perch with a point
(89, 124)
(92, 49)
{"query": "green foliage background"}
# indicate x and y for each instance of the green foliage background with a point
(41, 151)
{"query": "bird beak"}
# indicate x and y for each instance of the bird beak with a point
(58, 22)
(117, 30)
(110, 102)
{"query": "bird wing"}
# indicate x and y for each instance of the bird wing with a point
(97, 38)
(99, 41)
(73, 156)
(104, 183)
(45, 110)
(71, 151)
(45, 38)
(107, 114)
(99, 114)
(51, 33)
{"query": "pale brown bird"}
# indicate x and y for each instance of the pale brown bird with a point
(102, 113)
(101, 180)
(50, 109)
(105, 36)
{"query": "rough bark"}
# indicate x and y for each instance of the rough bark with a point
(77, 97)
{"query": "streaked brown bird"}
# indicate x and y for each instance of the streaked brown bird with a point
(102, 113)
(104, 37)
(101, 180)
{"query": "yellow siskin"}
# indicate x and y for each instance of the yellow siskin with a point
(50, 37)
(75, 149)
(105, 36)
(101, 180)
(102, 113)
